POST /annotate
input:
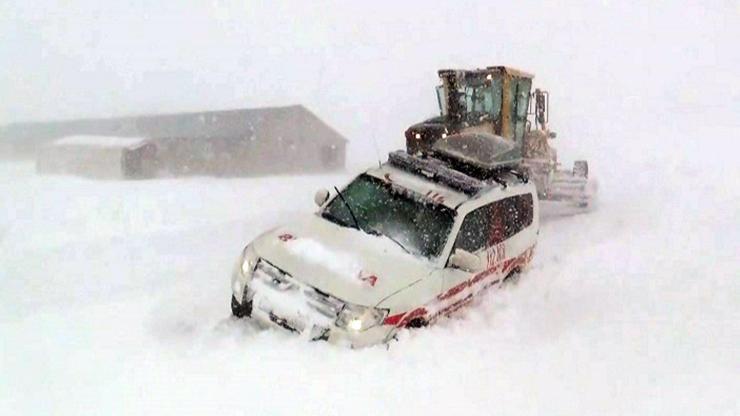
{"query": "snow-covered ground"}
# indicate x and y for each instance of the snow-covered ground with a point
(115, 298)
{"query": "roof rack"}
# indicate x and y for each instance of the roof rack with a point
(441, 172)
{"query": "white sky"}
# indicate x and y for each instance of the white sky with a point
(367, 68)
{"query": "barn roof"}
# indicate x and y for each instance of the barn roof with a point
(237, 123)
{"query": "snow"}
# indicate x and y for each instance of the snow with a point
(115, 295)
(288, 304)
(343, 264)
(100, 141)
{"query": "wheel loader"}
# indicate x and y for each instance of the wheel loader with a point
(498, 101)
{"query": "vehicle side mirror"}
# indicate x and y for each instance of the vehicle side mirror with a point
(321, 196)
(466, 260)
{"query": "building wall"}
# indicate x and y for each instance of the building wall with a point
(238, 156)
(91, 161)
(226, 143)
(140, 162)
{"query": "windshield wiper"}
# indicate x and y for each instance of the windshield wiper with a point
(399, 243)
(375, 232)
(357, 224)
(336, 220)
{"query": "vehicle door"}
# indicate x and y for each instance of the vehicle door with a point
(495, 233)
(474, 237)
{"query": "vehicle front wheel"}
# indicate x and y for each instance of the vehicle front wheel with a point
(240, 310)
(513, 276)
(417, 323)
(580, 168)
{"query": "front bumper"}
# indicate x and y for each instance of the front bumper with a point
(277, 300)
(266, 317)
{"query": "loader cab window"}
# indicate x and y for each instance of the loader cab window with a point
(519, 90)
(522, 97)
(479, 100)
(474, 99)
(442, 100)
(482, 99)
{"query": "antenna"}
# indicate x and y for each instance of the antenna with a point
(375, 146)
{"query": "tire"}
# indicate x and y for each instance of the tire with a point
(580, 168)
(513, 276)
(417, 323)
(239, 310)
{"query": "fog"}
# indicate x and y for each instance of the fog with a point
(116, 294)
(367, 68)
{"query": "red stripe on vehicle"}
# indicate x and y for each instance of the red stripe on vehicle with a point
(505, 267)
(468, 283)
(405, 317)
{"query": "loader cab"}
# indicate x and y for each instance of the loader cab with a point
(493, 100)
(466, 97)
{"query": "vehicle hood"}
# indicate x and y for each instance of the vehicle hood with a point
(347, 263)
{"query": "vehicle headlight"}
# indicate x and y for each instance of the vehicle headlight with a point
(248, 261)
(359, 318)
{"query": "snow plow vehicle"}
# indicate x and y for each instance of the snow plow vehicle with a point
(498, 100)
(403, 244)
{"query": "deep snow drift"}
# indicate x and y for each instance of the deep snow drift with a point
(115, 299)
(114, 296)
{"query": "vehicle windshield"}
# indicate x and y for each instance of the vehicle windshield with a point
(418, 226)
(474, 100)
(481, 99)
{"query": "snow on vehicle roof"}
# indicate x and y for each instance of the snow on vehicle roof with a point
(100, 141)
(486, 151)
(435, 192)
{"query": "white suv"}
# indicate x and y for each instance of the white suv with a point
(401, 245)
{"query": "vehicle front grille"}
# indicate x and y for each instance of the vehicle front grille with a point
(281, 281)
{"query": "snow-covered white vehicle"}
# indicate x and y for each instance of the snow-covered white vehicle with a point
(404, 243)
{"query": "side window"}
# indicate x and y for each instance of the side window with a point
(522, 98)
(494, 223)
(442, 99)
(519, 101)
(518, 212)
(473, 235)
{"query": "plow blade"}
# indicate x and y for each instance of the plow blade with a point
(565, 187)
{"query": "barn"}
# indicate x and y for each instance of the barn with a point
(240, 142)
(99, 157)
